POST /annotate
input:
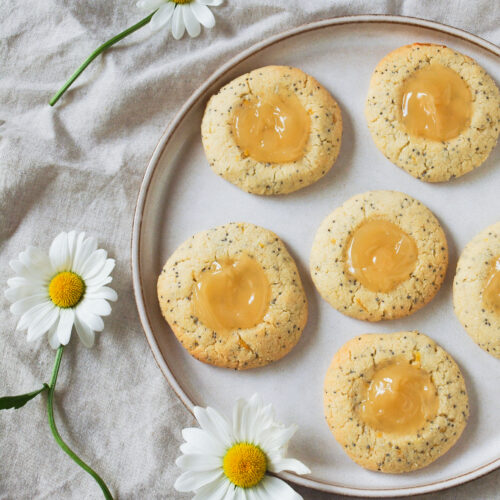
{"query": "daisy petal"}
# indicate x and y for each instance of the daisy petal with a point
(71, 246)
(237, 494)
(87, 317)
(78, 248)
(197, 462)
(43, 322)
(17, 267)
(212, 3)
(53, 340)
(85, 333)
(178, 22)
(63, 332)
(59, 253)
(149, 4)
(102, 277)
(239, 417)
(100, 282)
(40, 267)
(162, 17)
(272, 487)
(254, 494)
(37, 256)
(21, 292)
(101, 292)
(246, 424)
(214, 423)
(84, 249)
(33, 314)
(28, 274)
(266, 417)
(274, 438)
(20, 287)
(98, 306)
(213, 491)
(193, 27)
(203, 442)
(188, 448)
(24, 259)
(17, 281)
(94, 264)
(289, 464)
(203, 14)
(25, 304)
(37, 260)
(191, 481)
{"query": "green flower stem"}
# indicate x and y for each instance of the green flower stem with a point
(96, 52)
(60, 442)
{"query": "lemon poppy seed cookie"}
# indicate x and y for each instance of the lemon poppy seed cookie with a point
(476, 289)
(395, 402)
(381, 255)
(233, 296)
(272, 131)
(433, 111)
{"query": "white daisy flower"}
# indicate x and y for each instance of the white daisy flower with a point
(230, 461)
(180, 15)
(65, 287)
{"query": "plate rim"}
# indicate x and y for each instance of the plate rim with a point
(139, 212)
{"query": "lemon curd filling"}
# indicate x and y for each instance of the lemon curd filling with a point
(232, 294)
(380, 255)
(400, 399)
(491, 291)
(66, 289)
(436, 103)
(272, 128)
(245, 465)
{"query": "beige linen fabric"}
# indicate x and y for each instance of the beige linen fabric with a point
(79, 165)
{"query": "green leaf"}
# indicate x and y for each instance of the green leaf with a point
(20, 400)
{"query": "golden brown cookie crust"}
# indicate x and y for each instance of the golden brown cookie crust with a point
(473, 269)
(341, 290)
(431, 161)
(240, 349)
(228, 161)
(351, 370)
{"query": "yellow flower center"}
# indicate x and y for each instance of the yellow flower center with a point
(181, 1)
(66, 289)
(245, 465)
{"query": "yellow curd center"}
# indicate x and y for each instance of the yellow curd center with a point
(436, 103)
(491, 292)
(400, 399)
(232, 294)
(272, 129)
(380, 255)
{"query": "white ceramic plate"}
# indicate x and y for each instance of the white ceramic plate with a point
(180, 196)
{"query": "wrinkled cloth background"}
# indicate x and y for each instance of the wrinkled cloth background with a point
(79, 165)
